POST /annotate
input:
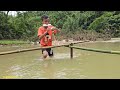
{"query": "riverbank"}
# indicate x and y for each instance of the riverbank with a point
(112, 40)
(12, 42)
(71, 41)
(56, 42)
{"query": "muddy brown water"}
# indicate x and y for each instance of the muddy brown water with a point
(84, 65)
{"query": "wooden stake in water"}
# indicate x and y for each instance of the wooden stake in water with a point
(71, 51)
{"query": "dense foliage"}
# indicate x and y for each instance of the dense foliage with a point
(24, 25)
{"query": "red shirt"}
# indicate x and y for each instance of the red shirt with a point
(47, 39)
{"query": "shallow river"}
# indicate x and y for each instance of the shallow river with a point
(84, 65)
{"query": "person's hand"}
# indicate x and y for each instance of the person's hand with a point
(47, 30)
(53, 28)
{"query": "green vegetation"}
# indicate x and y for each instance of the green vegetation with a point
(73, 24)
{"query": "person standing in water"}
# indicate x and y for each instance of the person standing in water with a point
(45, 36)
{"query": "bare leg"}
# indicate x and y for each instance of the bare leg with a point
(45, 54)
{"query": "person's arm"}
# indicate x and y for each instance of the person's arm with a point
(41, 36)
(55, 30)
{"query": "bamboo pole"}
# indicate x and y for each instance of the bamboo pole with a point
(96, 50)
(38, 48)
(30, 49)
